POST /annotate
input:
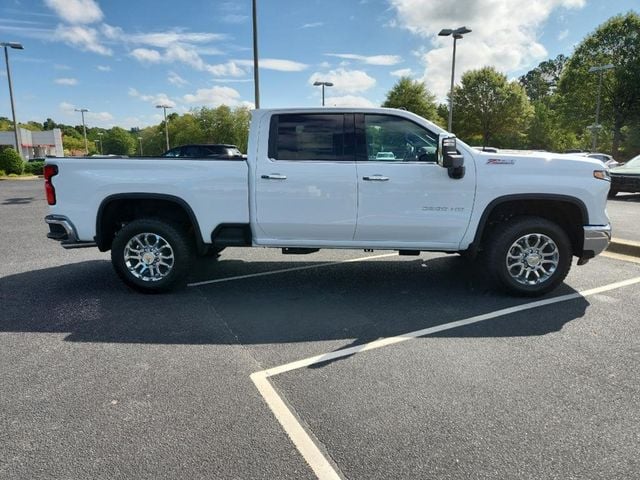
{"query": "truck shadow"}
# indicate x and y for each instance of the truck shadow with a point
(362, 301)
(18, 201)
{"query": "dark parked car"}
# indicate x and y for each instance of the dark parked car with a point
(626, 178)
(218, 150)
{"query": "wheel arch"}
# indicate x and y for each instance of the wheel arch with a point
(124, 207)
(569, 212)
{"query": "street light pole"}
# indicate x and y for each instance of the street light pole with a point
(166, 126)
(256, 75)
(324, 84)
(596, 126)
(140, 140)
(84, 129)
(100, 139)
(457, 35)
(17, 46)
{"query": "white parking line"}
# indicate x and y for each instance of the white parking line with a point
(292, 269)
(296, 432)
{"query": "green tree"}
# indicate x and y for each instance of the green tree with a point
(542, 81)
(488, 106)
(10, 161)
(118, 141)
(616, 42)
(413, 96)
(185, 129)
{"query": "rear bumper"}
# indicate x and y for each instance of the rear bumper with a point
(62, 230)
(596, 240)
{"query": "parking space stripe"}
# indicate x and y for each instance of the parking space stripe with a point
(292, 269)
(301, 439)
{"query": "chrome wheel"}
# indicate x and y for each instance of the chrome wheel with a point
(149, 257)
(532, 259)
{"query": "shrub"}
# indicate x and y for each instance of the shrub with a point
(34, 168)
(3, 173)
(11, 162)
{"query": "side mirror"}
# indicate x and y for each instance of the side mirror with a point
(448, 156)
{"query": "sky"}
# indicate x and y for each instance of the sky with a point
(121, 58)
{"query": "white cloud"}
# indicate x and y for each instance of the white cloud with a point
(312, 25)
(403, 72)
(275, 64)
(66, 81)
(234, 18)
(157, 99)
(100, 119)
(505, 34)
(84, 38)
(66, 107)
(229, 69)
(76, 11)
(345, 81)
(349, 101)
(175, 79)
(146, 55)
(104, 68)
(59, 66)
(160, 39)
(369, 60)
(563, 34)
(214, 96)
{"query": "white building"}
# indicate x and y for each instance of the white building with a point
(35, 144)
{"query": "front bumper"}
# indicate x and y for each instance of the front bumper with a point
(596, 240)
(61, 229)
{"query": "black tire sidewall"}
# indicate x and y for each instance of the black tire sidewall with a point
(178, 241)
(502, 241)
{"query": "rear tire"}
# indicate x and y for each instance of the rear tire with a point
(152, 255)
(529, 256)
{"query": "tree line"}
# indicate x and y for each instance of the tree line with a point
(551, 107)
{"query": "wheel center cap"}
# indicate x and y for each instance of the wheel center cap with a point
(148, 258)
(533, 259)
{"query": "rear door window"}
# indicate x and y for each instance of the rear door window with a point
(312, 137)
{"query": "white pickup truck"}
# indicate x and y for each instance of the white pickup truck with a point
(369, 179)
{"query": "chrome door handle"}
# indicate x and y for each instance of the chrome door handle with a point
(376, 178)
(274, 176)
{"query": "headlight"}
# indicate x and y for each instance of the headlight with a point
(602, 175)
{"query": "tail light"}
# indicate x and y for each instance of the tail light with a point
(49, 172)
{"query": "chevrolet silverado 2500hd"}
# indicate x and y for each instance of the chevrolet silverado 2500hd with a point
(336, 178)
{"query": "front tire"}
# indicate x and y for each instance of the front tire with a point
(529, 256)
(151, 255)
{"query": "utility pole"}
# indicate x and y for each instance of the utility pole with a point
(256, 75)
(166, 125)
(84, 129)
(17, 46)
(457, 35)
(323, 84)
(140, 140)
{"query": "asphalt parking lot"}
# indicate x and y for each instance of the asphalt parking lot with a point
(246, 375)
(624, 211)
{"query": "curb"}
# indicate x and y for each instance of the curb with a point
(21, 178)
(624, 247)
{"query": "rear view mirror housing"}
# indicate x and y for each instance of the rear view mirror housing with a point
(448, 156)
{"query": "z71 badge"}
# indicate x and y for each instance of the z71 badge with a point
(500, 161)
